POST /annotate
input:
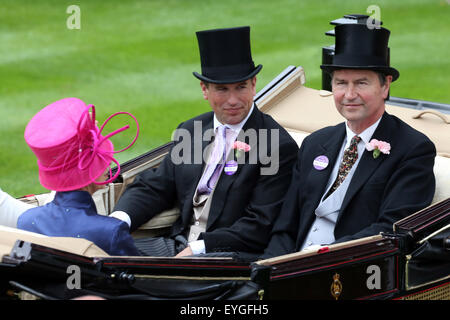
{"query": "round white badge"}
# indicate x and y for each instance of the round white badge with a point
(320, 162)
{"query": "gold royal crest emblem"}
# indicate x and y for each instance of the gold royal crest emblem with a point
(336, 286)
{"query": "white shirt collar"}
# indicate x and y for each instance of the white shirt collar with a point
(365, 135)
(235, 127)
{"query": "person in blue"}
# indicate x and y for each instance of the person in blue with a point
(73, 159)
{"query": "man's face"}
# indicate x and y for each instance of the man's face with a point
(359, 96)
(230, 102)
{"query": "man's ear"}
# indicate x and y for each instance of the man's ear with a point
(254, 85)
(204, 90)
(387, 86)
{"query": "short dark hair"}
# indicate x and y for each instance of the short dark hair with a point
(382, 78)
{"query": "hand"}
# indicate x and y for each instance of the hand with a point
(186, 252)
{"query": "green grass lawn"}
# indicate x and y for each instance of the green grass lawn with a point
(138, 56)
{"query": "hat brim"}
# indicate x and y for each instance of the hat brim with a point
(385, 70)
(73, 178)
(228, 80)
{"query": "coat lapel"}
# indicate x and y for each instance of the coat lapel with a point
(226, 181)
(193, 172)
(317, 179)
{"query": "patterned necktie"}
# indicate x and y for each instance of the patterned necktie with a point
(215, 163)
(350, 157)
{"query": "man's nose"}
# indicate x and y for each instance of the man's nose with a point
(232, 99)
(350, 92)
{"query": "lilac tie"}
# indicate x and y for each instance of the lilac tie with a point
(216, 162)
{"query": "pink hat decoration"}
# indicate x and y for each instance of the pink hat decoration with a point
(70, 148)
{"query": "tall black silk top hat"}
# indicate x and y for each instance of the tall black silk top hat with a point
(225, 55)
(358, 47)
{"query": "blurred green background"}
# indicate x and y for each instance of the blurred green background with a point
(138, 56)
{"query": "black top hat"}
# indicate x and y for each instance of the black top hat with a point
(225, 55)
(358, 47)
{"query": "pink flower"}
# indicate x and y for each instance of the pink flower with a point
(239, 145)
(378, 146)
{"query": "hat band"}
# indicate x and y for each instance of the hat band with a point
(87, 151)
(228, 72)
(355, 60)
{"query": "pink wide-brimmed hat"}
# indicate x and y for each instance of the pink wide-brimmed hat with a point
(70, 149)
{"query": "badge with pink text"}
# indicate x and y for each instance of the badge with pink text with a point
(230, 167)
(320, 162)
